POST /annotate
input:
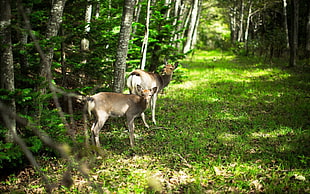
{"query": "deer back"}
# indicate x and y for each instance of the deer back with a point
(116, 104)
(145, 79)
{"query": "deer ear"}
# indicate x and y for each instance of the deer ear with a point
(165, 61)
(176, 65)
(154, 90)
(139, 88)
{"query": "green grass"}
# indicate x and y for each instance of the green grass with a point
(235, 125)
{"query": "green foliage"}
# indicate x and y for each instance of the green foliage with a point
(11, 155)
(228, 127)
(161, 45)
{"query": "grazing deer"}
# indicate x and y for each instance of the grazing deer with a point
(150, 80)
(105, 104)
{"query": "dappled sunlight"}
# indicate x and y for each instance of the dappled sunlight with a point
(281, 131)
(227, 137)
(269, 74)
(211, 56)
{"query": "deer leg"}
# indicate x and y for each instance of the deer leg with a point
(131, 128)
(92, 133)
(96, 128)
(153, 106)
(143, 119)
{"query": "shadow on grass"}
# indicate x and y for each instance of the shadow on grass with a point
(256, 115)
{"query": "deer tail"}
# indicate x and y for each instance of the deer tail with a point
(90, 104)
(133, 81)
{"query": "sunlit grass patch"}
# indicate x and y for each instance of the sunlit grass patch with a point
(234, 125)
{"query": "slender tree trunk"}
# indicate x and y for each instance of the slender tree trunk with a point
(187, 17)
(97, 11)
(192, 26)
(7, 66)
(52, 31)
(136, 15)
(167, 14)
(85, 41)
(308, 38)
(180, 16)
(177, 10)
(195, 33)
(294, 37)
(240, 34)
(23, 38)
(63, 60)
(146, 35)
(246, 33)
(285, 23)
(233, 22)
(122, 50)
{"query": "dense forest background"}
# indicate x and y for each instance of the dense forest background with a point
(54, 51)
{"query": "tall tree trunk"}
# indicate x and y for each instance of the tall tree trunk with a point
(308, 37)
(177, 10)
(85, 41)
(122, 50)
(7, 66)
(192, 26)
(146, 36)
(294, 36)
(136, 15)
(167, 14)
(195, 33)
(285, 23)
(23, 38)
(52, 30)
(240, 34)
(233, 22)
(246, 33)
(180, 16)
(63, 60)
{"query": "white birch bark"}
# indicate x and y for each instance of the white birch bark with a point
(285, 24)
(246, 33)
(192, 26)
(146, 36)
(240, 34)
(85, 41)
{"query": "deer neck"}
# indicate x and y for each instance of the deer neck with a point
(165, 79)
(143, 103)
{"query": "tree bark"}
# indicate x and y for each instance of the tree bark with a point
(233, 22)
(285, 23)
(146, 36)
(52, 30)
(85, 41)
(23, 38)
(294, 36)
(246, 33)
(122, 50)
(7, 66)
(240, 34)
(192, 26)
(308, 38)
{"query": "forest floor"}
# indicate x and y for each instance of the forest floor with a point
(234, 125)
